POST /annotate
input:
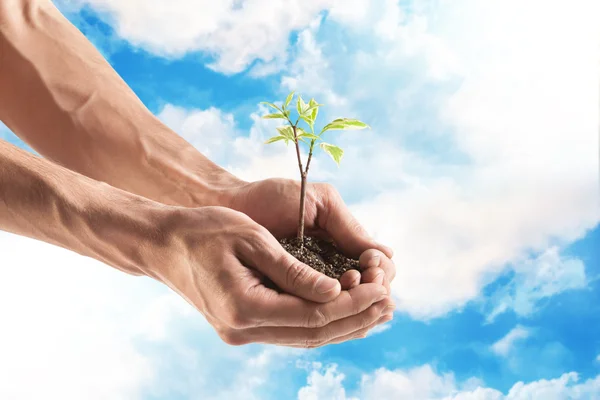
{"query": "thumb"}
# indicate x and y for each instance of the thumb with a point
(293, 276)
(345, 230)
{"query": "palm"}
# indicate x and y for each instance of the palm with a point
(274, 204)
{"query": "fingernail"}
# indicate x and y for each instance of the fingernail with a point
(325, 285)
(374, 261)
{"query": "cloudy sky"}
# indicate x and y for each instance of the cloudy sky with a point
(481, 171)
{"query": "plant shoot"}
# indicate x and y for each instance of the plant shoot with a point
(292, 131)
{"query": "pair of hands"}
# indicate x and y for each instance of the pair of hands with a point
(223, 256)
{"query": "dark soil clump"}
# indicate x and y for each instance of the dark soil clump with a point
(323, 256)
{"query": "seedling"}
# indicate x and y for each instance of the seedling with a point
(293, 132)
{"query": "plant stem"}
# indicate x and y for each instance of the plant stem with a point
(301, 221)
(310, 153)
(302, 190)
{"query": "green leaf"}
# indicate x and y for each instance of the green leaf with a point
(274, 116)
(287, 132)
(301, 105)
(309, 121)
(344, 123)
(288, 100)
(335, 152)
(271, 105)
(309, 136)
(275, 139)
(313, 107)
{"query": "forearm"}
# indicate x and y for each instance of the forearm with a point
(44, 201)
(61, 97)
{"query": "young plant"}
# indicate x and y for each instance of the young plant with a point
(293, 132)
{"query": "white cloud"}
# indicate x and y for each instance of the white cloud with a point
(424, 383)
(563, 388)
(234, 33)
(505, 345)
(210, 131)
(537, 279)
(66, 323)
(416, 383)
(379, 329)
(326, 385)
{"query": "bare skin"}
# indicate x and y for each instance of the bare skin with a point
(213, 233)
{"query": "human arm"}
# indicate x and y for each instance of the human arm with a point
(64, 99)
(60, 96)
(214, 257)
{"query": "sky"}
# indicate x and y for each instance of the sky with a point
(480, 171)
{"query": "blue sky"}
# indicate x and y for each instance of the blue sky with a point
(481, 171)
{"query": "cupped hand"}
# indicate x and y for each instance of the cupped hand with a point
(274, 204)
(218, 260)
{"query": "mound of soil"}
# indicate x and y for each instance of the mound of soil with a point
(320, 254)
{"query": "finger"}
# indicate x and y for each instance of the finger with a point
(289, 274)
(350, 279)
(375, 259)
(373, 275)
(386, 316)
(315, 337)
(362, 333)
(270, 308)
(346, 231)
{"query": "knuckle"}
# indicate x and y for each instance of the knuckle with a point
(254, 240)
(327, 194)
(237, 320)
(356, 227)
(317, 318)
(238, 316)
(365, 319)
(233, 338)
(256, 236)
(354, 304)
(371, 315)
(297, 274)
(329, 189)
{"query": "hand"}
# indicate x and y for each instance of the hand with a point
(274, 204)
(218, 259)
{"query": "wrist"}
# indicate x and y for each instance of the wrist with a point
(188, 178)
(121, 229)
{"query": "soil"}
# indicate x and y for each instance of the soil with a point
(321, 255)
